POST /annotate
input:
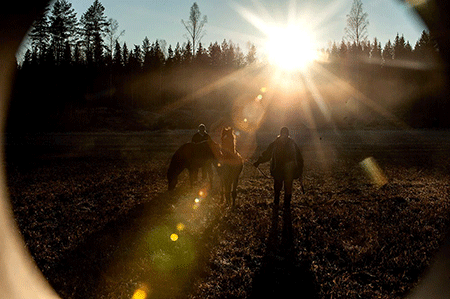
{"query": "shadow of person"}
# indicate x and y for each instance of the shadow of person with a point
(147, 245)
(283, 273)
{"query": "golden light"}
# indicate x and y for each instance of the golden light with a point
(374, 172)
(180, 226)
(141, 293)
(290, 48)
(174, 237)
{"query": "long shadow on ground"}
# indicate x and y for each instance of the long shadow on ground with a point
(282, 273)
(137, 252)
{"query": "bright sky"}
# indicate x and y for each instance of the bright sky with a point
(161, 19)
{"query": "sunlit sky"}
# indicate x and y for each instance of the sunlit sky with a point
(161, 19)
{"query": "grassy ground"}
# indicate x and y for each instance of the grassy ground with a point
(108, 229)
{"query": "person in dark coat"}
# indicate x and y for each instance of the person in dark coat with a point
(198, 137)
(201, 134)
(286, 164)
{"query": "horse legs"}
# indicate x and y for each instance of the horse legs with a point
(234, 192)
(209, 171)
(222, 189)
(193, 174)
(227, 191)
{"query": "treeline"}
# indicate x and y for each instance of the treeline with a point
(395, 83)
(77, 65)
(74, 64)
(58, 38)
(425, 50)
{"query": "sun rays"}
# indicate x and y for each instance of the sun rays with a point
(291, 85)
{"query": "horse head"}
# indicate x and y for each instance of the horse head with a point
(214, 150)
(228, 140)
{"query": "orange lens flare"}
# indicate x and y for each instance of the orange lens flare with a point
(374, 171)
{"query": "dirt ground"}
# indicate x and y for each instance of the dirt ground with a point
(374, 212)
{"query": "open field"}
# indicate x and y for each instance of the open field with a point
(99, 223)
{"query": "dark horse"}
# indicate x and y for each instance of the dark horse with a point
(230, 166)
(192, 156)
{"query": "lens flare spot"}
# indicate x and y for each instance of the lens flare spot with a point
(180, 226)
(197, 200)
(259, 97)
(174, 237)
(141, 293)
(245, 120)
(374, 172)
(195, 206)
(219, 165)
(263, 89)
(202, 193)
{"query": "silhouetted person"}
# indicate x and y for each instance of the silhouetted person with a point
(201, 134)
(198, 137)
(286, 164)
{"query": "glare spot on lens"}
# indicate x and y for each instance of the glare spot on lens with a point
(180, 226)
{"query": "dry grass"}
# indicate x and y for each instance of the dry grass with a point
(91, 227)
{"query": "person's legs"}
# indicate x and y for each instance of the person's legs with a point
(277, 186)
(287, 221)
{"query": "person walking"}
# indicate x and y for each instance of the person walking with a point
(286, 164)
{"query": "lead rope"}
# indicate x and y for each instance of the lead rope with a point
(302, 187)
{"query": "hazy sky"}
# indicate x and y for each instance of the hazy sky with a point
(161, 19)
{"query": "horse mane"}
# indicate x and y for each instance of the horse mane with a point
(228, 140)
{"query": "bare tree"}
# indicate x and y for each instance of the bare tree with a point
(112, 35)
(195, 26)
(357, 23)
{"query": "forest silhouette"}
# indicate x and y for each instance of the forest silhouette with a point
(76, 69)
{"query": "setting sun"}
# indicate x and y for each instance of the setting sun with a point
(290, 48)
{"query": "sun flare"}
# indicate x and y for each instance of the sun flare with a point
(290, 48)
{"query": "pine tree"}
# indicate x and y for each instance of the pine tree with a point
(426, 47)
(201, 57)
(187, 54)
(40, 35)
(366, 49)
(343, 50)
(215, 55)
(117, 60)
(399, 47)
(63, 24)
(388, 51)
(334, 51)
(228, 53)
(67, 59)
(135, 60)
(27, 59)
(94, 27)
(250, 58)
(125, 55)
(146, 53)
(177, 57)
(376, 52)
(77, 55)
(239, 58)
(170, 57)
